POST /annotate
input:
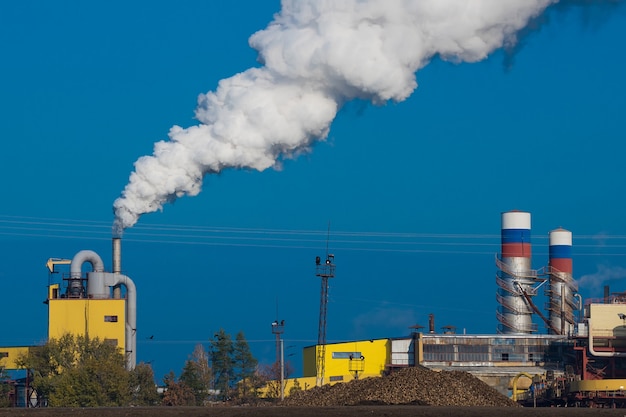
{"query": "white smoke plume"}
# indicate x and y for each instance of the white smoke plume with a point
(315, 55)
(603, 275)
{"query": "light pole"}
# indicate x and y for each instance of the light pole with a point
(277, 329)
(282, 370)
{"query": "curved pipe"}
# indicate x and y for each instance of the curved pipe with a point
(85, 256)
(99, 286)
(601, 354)
(131, 317)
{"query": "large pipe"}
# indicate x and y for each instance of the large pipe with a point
(75, 285)
(98, 284)
(85, 256)
(601, 354)
(117, 264)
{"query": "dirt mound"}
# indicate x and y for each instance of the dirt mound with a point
(415, 385)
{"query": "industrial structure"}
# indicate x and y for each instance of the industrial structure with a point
(325, 271)
(89, 303)
(580, 360)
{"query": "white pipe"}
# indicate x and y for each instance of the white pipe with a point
(601, 354)
(97, 286)
(85, 256)
(131, 317)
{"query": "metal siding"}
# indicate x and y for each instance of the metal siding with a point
(516, 220)
(515, 235)
(516, 250)
(75, 315)
(563, 265)
(560, 251)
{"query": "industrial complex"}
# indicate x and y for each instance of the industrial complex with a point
(578, 360)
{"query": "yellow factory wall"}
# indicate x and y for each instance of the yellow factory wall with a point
(605, 320)
(104, 319)
(8, 355)
(376, 354)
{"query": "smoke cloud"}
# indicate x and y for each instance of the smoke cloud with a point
(316, 55)
(603, 275)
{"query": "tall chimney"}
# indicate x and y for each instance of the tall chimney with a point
(431, 323)
(117, 264)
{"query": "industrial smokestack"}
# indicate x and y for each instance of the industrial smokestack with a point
(431, 323)
(117, 264)
(367, 50)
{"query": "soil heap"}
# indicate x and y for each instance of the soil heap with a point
(414, 385)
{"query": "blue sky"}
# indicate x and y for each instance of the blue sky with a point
(413, 190)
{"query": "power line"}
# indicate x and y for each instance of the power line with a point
(484, 244)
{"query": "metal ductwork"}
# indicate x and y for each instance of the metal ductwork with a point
(99, 284)
(99, 287)
(75, 285)
(117, 264)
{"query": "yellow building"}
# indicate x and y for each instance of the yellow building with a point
(345, 361)
(92, 303)
(8, 356)
(101, 318)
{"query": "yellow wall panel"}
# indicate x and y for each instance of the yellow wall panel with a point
(8, 355)
(104, 319)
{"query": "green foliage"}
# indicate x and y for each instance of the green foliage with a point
(77, 371)
(245, 366)
(142, 387)
(5, 388)
(222, 363)
(197, 374)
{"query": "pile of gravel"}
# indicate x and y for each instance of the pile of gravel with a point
(414, 385)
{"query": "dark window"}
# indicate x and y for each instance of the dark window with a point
(110, 319)
(336, 378)
(505, 356)
(112, 342)
(530, 357)
(4, 354)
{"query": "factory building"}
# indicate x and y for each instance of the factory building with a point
(94, 303)
(580, 359)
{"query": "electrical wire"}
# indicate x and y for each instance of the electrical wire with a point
(367, 241)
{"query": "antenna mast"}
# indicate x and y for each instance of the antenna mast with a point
(325, 271)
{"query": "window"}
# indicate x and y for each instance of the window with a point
(110, 319)
(505, 356)
(336, 378)
(346, 355)
(112, 342)
(4, 355)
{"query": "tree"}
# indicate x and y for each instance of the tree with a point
(270, 374)
(176, 392)
(296, 387)
(76, 371)
(142, 387)
(245, 366)
(5, 388)
(222, 362)
(197, 374)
